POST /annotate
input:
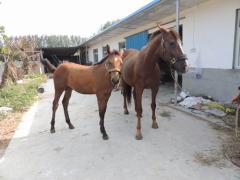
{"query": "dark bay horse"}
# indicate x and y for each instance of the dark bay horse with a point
(141, 71)
(98, 79)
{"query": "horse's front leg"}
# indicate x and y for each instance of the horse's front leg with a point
(125, 104)
(153, 106)
(138, 109)
(102, 106)
(124, 92)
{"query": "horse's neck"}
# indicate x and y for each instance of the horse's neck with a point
(100, 72)
(100, 67)
(151, 57)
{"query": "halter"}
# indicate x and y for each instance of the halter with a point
(113, 69)
(179, 59)
(173, 60)
(162, 45)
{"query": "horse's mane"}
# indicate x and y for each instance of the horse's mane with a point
(156, 33)
(103, 59)
(175, 34)
(114, 52)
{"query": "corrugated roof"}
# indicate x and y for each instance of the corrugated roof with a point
(153, 12)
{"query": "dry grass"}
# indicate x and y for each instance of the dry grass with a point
(230, 144)
(220, 128)
(210, 159)
(231, 148)
(229, 120)
(205, 159)
(8, 126)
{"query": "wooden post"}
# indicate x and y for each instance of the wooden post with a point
(237, 121)
(41, 55)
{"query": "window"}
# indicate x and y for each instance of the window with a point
(237, 42)
(95, 55)
(104, 51)
(121, 45)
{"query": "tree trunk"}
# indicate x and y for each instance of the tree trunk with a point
(9, 74)
(25, 65)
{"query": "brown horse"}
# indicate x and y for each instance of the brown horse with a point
(98, 79)
(141, 71)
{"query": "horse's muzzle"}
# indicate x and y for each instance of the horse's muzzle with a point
(180, 64)
(115, 81)
(115, 77)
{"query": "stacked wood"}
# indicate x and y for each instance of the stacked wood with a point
(22, 50)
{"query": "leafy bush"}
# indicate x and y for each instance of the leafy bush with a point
(21, 96)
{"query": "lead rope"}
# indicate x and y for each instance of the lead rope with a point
(172, 61)
(174, 78)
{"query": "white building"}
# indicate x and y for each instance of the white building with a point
(211, 39)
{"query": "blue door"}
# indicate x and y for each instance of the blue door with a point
(137, 41)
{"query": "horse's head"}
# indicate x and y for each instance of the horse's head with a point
(171, 50)
(114, 64)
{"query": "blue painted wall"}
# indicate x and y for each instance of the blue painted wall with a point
(137, 41)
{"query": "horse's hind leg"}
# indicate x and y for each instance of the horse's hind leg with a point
(153, 106)
(65, 102)
(58, 93)
(102, 105)
(138, 109)
(124, 86)
(125, 104)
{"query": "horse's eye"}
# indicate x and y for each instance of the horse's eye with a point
(109, 64)
(172, 44)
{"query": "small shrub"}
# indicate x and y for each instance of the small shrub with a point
(21, 96)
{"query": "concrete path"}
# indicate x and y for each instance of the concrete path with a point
(176, 151)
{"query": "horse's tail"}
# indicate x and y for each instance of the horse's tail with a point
(47, 64)
(127, 91)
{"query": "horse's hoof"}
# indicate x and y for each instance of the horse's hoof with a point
(126, 111)
(52, 130)
(139, 137)
(154, 125)
(71, 126)
(105, 137)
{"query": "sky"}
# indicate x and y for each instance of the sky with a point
(62, 17)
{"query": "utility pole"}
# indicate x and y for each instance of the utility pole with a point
(175, 72)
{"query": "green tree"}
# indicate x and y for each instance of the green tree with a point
(46, 41)
(3, 38)
(107, 25)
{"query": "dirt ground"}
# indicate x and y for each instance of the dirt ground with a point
(8, 126)
(183, 147)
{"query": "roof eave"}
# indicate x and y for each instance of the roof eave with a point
(115, 25)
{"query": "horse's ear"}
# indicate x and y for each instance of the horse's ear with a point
(161, 29)
(158, 25)
(108, 49)
(121, 52)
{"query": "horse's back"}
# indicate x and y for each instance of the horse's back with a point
(129, 54)
(75, 76)
(64, 69)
